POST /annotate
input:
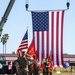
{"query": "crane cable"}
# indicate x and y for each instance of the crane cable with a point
(26, 4)
(68, 4)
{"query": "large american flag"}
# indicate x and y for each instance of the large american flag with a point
(48, 35)
(24, 44)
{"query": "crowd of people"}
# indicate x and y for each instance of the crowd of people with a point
(27, 66)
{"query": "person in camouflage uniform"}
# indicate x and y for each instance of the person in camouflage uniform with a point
(22, 63)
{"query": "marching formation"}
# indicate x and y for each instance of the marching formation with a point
(27, 66)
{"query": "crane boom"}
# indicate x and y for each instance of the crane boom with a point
(6, 14)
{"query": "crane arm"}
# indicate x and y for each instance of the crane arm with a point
(6, 14)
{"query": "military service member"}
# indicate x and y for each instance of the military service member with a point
(21, 65)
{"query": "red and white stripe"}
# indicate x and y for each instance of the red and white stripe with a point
(10, 66)
(23, 46)
(52, 40)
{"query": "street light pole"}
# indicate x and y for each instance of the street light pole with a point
(3, 48)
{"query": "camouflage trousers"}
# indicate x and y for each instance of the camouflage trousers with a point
(22, 72)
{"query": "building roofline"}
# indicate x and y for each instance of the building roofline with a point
(7, 55)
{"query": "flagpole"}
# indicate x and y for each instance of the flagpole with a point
(27, 27)
(47, 10)
(71, 70)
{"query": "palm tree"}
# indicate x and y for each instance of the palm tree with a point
(4, 41)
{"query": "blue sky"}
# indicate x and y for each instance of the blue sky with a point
(19, 19)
